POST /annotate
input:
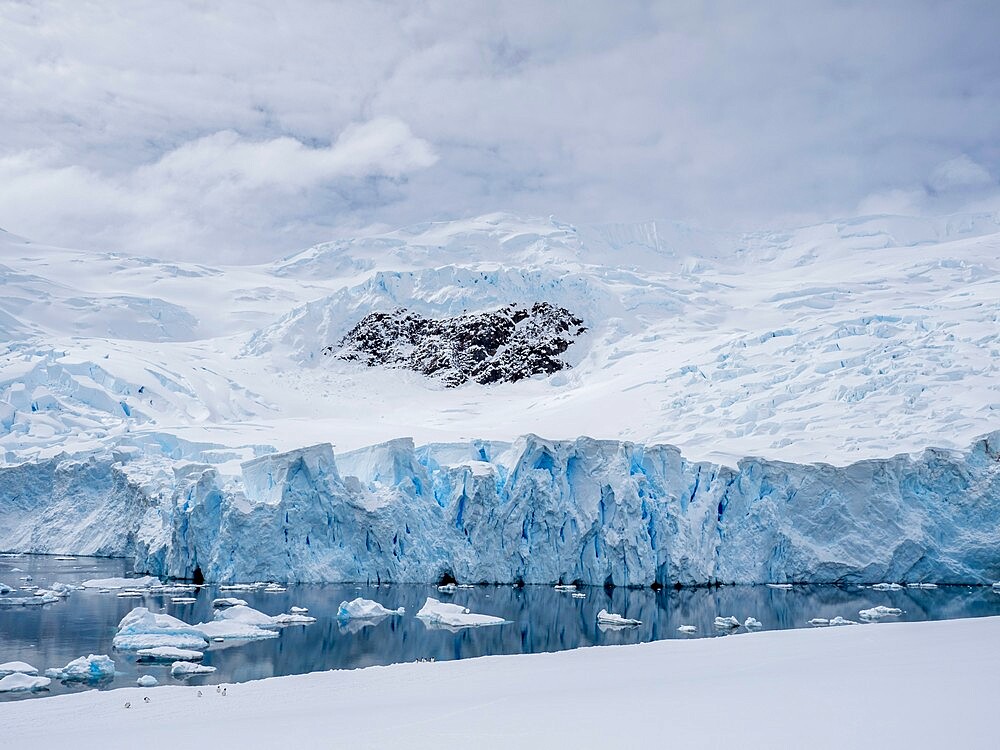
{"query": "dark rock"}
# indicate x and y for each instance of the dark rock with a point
(504, 345)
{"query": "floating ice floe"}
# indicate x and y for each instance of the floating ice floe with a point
(439, 614)
(921, 585)
(364, 609)
(18, 682)
(187, 669)
(838, 620)
(228, 601)
(724, 623)
(85, 669)
(688, 629)
(183, 600)
(64, 558)
(18, 667)
(121, 583)
(254, 618)
(273, 588)
(147, 680)
(141, 629)
(169, 653)
(819, 622)
(131, 594)
(42, 597)
(996, 586)
(578, 595)
(565, 587)
(610, 618)
(888, 587)
(752, 623)
(779, 586)
(877, 613)
(284, 620)
(298, 610)
(448, 588)
(184, 588)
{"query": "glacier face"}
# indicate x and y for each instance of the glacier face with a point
(534, 510)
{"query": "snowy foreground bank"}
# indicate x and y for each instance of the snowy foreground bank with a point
(927, 684)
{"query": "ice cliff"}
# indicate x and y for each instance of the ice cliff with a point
(535, 510)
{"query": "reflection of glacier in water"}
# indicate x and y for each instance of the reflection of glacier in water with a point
(541, 619)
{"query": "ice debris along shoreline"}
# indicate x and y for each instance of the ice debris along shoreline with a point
(589, 511)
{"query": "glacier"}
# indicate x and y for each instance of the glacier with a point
(533, 510)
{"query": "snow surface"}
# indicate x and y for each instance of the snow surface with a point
(927, 669)
(162, 411)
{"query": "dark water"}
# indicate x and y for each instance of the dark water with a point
(542, 619)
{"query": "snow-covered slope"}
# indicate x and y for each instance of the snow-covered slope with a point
(832, 343)
(835, 343)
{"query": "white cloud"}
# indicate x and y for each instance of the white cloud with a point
(250, 128)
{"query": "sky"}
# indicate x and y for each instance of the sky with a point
(243, 131)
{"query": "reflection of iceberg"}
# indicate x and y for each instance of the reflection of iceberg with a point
(435, 614)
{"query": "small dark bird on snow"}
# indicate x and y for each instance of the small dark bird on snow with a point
(218, 688)
(223, 691)
(199, 693)
(145, 699)
(128, 705)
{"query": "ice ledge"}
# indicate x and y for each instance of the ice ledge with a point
(535, 510)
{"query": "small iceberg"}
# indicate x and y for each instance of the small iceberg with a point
(565, 587)
(726, 623)
(183, 600)
(17, 682)
(365, 609)
(877, 613)
(274, 588)
(921, 585)
(578, 595)
(448, 588)
(440, 614)
(688, 629)
(752, 623)
(169, 653)
(121, 583)
(610, 618)
(16, 667)
(838, 620)
(779, 586)
(141, 629)
(888, 587)
(228, 601)
(284, 620)
(819, 622)
(147, 680)
(298, 610)
(85, 669)
(187, 669)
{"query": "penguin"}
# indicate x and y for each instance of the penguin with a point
(128, 705)
(199, 693)
(145, 699)
(223, 691)
(218, 688)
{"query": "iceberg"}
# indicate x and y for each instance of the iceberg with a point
(877, 613)
(752, 623)
(838, 620)
(610, 618)
(439, 614)
(228, 601)
(169, 653)
(363, 609)
(16, 667)
(90, 668)
(146, 680)
(142, 629)
(726, 623)
(687, 629)
(18, 682)
(131, 584)
(188, 669)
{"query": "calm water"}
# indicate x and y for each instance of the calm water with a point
(542, 619)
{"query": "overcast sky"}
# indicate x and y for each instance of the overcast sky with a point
(243, 131)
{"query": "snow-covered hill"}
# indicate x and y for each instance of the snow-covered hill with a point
(158, 410)
(833, 343)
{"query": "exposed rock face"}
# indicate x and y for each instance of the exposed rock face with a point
(504, 345)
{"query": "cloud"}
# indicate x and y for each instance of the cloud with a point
(245, 130)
